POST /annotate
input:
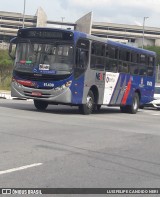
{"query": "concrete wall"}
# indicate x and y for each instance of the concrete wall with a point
(84, 24)
(147, 42)
(157, 42)
(41, 18)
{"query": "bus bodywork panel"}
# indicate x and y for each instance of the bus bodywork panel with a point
(118, 88)
(51, 91)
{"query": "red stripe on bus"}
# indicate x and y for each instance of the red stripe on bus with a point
(25, 83)
(126, 93)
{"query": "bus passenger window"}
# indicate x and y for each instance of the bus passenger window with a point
(149, 71)
(107, 66)
(142, 71)
(142, 59)
(150, 68)
(128, 56)
(113, 66)
(134, 70)
(107, 51)
(97, 56)
(133, 58)
(81, 58)
(150, 61)
(112, 52)
(123, 67)
(122, 55)
(97, 62)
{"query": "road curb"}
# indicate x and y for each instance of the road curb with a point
(7, 95)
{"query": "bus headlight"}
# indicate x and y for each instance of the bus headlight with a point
(16, 83)
(68, 83)
(64, 86)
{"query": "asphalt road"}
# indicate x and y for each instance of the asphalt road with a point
(60, 148)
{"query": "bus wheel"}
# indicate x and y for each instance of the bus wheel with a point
(40, 105)
(133, 108)
(89, 106)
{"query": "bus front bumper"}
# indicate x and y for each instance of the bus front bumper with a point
(59, 95)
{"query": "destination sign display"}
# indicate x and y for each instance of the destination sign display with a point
(45, 34)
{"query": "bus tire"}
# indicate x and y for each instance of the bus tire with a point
(40, 105)
(133, 108)
(89, 106)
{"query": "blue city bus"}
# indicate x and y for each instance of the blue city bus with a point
(57, 66)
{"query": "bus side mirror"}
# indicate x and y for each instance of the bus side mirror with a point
(12, 47)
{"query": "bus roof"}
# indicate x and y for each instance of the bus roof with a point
(118, 44)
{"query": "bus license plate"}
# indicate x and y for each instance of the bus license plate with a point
(36, 94)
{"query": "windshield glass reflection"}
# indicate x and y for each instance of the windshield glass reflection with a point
(30, 56)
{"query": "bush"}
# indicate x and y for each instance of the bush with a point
(6, 66)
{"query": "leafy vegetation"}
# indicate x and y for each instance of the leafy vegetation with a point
(6, 65)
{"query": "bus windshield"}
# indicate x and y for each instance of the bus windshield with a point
(52, 57)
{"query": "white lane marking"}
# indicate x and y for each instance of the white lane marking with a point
(20, 168)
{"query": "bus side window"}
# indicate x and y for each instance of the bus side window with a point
(113, 52)
(113, 65)
(122, 67)
(134, 70)
(134, 57)
(142, 70)
(111, 55)
(81, 58)
(142, 59)
(97, 56)
(142, 66)
(106, 51)
(107, 65)
(150, 66)
(82, 53)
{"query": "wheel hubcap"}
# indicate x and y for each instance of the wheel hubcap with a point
(89, 102)
(135, 104)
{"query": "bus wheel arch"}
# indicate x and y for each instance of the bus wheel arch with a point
(94, 89)
(139, 94)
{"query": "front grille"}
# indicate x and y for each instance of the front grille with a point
(40, 88)
(44, 95)
(40, 77)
